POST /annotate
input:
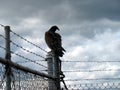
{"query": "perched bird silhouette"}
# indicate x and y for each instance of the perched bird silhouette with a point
(54, 42)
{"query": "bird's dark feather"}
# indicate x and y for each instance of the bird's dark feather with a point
(53, 41)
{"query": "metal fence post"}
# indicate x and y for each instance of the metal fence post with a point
(49, 58)
(7, 57)
(57, 69)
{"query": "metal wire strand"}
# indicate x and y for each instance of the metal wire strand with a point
(28, 41)
(26, 50)
(79, 61)
(2, 36)
(94, 79)
(2, 25)
(27, 59)
(23, 48)
(84, 70)
(95, 86)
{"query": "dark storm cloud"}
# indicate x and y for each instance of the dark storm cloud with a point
(16, 10)
(96, 9)
(82, 16)
(60, 11)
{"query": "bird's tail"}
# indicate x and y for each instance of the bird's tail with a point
(59, 52)
(63, 49)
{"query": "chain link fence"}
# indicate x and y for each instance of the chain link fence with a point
(24, 78)
(95, 86)
(21, 80)
(17, 76)
(2, 76)
(29, 81)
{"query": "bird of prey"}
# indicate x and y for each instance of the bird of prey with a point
(54, 42)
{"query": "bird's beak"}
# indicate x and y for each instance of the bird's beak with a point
(58, 29)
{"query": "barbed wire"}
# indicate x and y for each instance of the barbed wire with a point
(25, 40)
(2, 47)
(24, 57)
(84, 70)
(67, 71)
(28, 61)
(27, 50)
(94, 79)
(71, 71)
(23, 48)
(2, 36)
(28, 41)
(102, 61)
(2, 25)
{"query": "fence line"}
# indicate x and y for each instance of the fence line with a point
(22, 76)
(23, 47)
(93, 61)
(27, 59)
(84, 70)
(25, 69)
(21, 80)
(27, 50)
(92, 70)
(28, 41)
(94, 79)
(13, 70)
(28, 81)
(95, 86)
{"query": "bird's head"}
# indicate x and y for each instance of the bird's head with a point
(54, 28)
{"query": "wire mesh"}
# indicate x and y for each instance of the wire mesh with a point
(2, 76)
(95, 86)
(21, 80)
(28, 81)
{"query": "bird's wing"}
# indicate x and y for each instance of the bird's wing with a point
(53, 41)
(49, 40)
(58, 39)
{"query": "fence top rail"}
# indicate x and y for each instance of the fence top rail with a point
(25, 69)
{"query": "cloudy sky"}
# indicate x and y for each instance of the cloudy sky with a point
(90, 31)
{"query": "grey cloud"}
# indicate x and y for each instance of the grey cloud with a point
(60, 11)
(88, 30)
(102, 48)
(96, 9)
(16, 10)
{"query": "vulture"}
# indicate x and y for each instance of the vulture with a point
(54, 42)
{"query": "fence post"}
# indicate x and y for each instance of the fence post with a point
(7, 57)
(54, 68)
(57, 69)
(49, 59)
